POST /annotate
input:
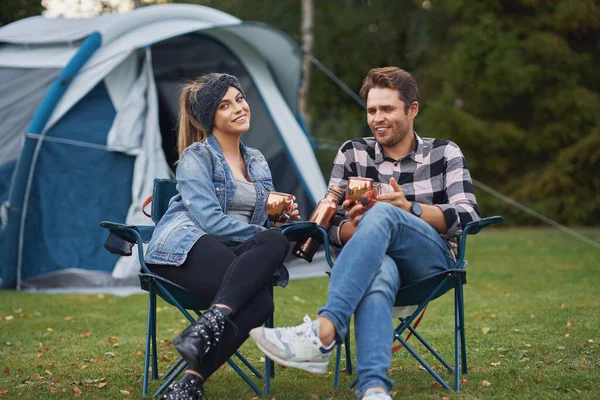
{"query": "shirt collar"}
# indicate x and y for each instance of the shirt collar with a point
(416, 155)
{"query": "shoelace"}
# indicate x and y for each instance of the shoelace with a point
(297, 333)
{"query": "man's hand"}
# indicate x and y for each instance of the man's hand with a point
(355, 213)
(396, 197)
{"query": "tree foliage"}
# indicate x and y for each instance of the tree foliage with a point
(516, 83)
(12, 10)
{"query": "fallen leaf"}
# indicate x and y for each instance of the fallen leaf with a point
(100, 296)
(139, 353)
(527, 345)
(568, 325)
(485, 384)
(3, 390)
(538, 379)
(102, 384)
(562, 305)
(50, 330)
(124, 392)
(495, 364)
(53, 389)
(590, 341)
(8, 317)
(48, 372)
(109, 353)
(486, 330)
(6, 371)
(298, 299)
(68, 318)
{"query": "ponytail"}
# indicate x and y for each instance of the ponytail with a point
(190, 129)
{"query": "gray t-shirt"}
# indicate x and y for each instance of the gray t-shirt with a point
(243, 202)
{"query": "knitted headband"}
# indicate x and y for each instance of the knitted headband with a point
(210, 95)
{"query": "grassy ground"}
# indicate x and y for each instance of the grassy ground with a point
(532, 317)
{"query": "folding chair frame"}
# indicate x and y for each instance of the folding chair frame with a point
(443, 282)
(156, 286)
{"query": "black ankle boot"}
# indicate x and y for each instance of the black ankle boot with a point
(197, 339)
(190, 387)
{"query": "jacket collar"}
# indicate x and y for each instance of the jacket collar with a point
(214, 143)
(416, 155)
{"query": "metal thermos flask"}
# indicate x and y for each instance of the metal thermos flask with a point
(322, 215)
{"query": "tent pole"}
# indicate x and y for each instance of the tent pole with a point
(22, 177)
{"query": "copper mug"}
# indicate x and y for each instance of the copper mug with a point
(279, 206)
(361, 190)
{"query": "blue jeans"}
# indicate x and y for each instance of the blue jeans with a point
(390, 248)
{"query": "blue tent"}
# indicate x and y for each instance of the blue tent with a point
(88, 109)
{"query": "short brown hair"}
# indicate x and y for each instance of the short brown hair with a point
(392, 78)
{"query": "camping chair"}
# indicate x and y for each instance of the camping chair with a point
(120, 241)
(421, 293)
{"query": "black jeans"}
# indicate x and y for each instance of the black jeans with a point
(237, 277)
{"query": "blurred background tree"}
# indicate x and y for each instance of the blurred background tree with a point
(516, 83)
(12, 10)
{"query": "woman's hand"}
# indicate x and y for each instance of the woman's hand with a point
(294, 216)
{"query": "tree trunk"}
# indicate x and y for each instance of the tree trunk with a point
(307, 47)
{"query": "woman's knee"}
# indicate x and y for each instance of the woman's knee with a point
(276, 241)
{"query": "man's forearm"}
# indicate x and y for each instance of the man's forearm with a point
(434, 216)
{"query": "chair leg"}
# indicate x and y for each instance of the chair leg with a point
(463, 340)
(147, 353)
(457, 344)
(173, 368)
(247, 364)
(348, 353)
(424, 363)
(170, 380)
(338, 356)
(153, 338)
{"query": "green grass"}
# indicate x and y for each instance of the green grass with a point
(532, 317)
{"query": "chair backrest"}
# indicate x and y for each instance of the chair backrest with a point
(164, 190)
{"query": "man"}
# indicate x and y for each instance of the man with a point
(404, 237)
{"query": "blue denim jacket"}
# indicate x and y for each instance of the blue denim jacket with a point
(206, 187)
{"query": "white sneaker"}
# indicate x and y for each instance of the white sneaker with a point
(376, 394)
(296, 346)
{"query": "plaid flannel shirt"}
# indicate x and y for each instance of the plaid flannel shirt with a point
(434, 173)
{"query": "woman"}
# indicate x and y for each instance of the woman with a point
(214, 238)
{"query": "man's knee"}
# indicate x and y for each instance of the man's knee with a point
(387, 279)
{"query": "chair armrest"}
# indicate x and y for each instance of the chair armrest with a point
(122, 237)
(299, 230)
(473, 228)
(127, 232)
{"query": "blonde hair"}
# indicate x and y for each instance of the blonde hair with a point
(190, 129)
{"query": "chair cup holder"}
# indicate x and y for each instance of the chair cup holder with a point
(115, 244)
